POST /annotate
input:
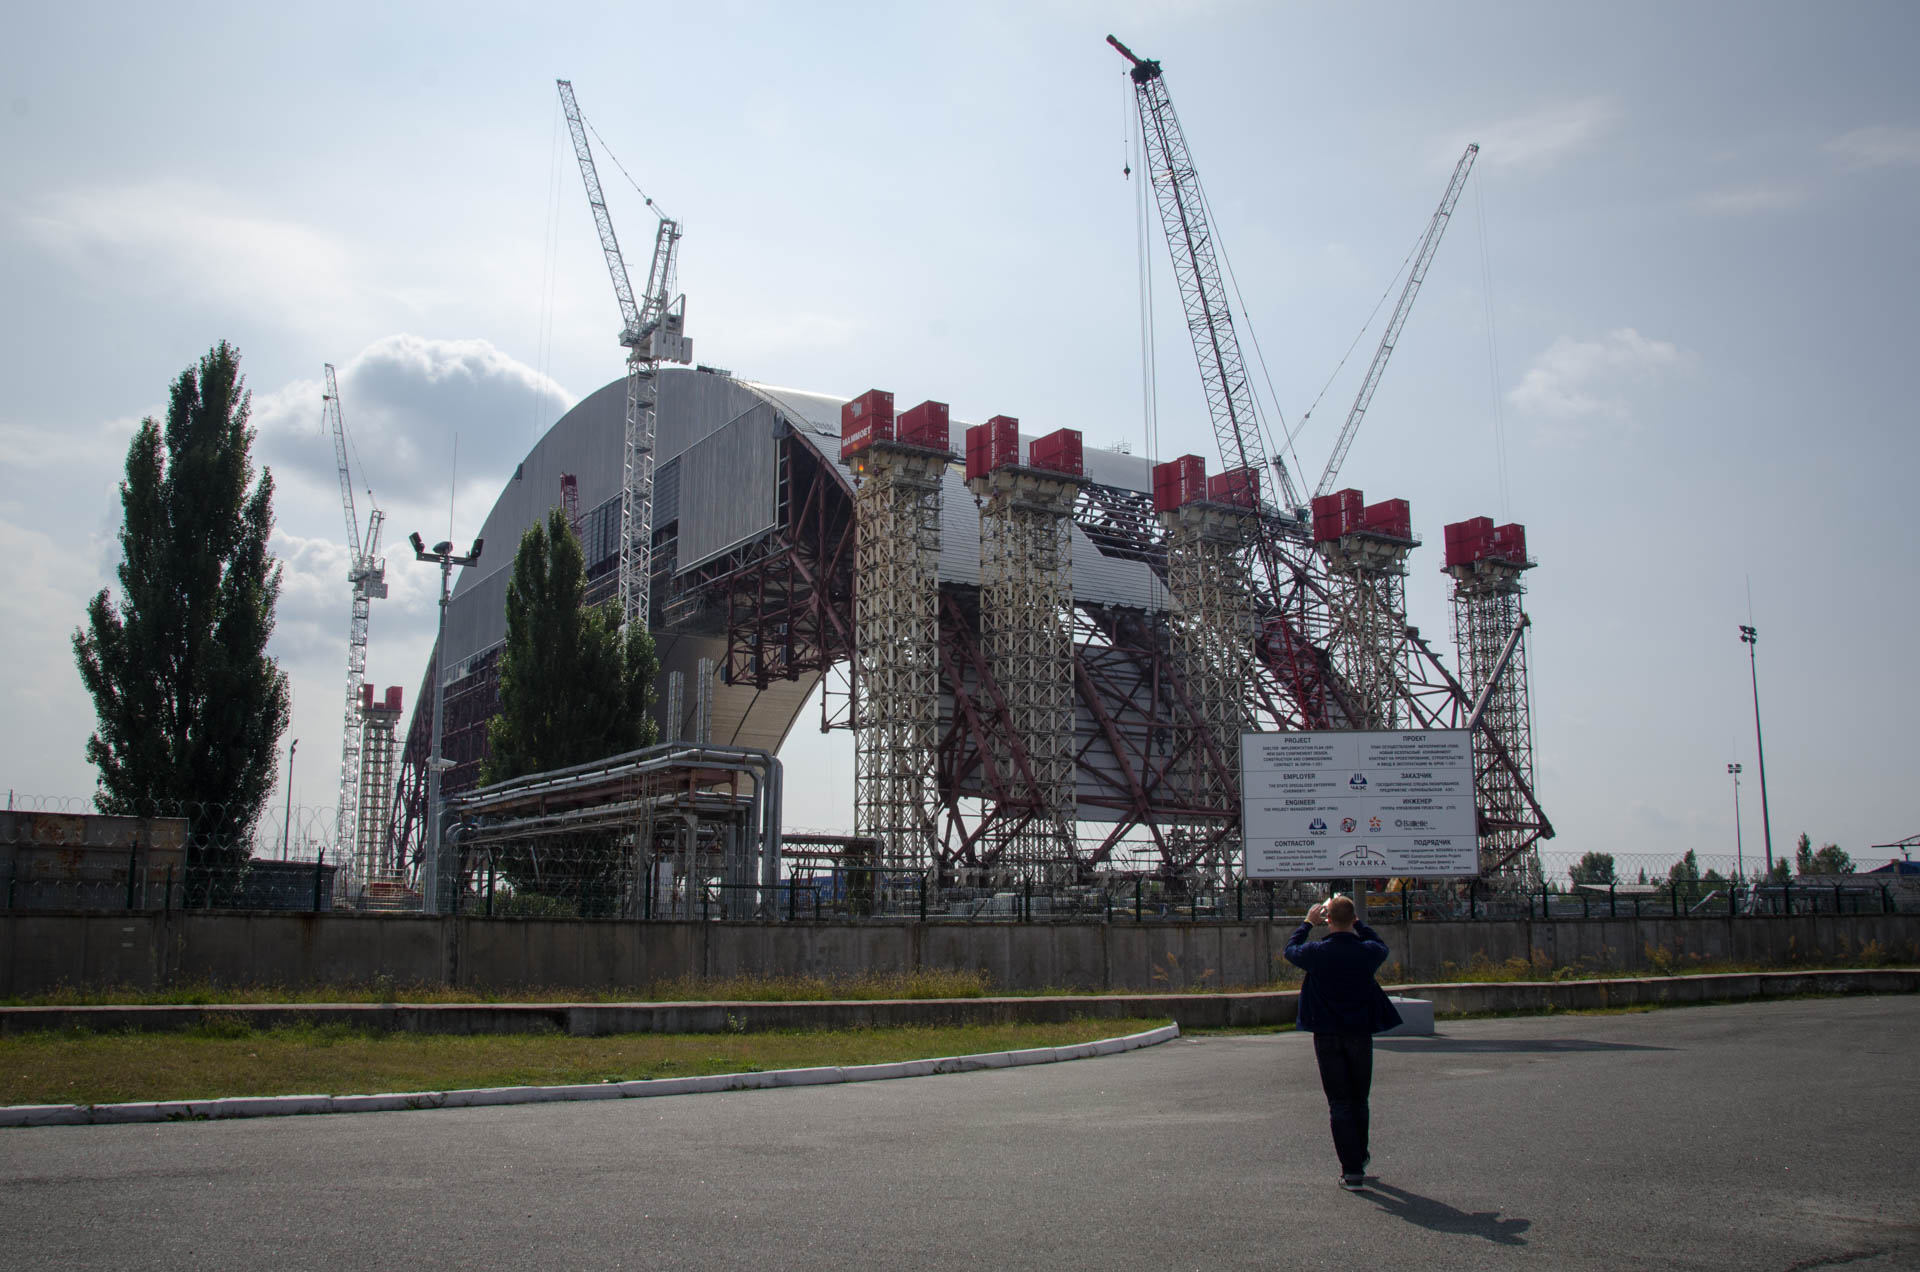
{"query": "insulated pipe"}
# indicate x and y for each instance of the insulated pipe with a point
(765, 768)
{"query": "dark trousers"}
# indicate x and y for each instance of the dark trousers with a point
(1346, 1075)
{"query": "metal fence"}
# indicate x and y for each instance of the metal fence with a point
(214, 865)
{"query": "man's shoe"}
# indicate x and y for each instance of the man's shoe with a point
(1353, 1182)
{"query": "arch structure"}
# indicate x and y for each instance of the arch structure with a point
(754, 575)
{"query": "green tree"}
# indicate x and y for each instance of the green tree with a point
(574, 687)
(1803, 855)
(1685, 870)
(1831, 859)
(1594, 867)
(189, 707)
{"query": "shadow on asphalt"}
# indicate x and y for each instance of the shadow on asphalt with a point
(1438, 1216)
(1507, 1044)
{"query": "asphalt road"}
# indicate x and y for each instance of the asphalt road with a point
(1760, 1136)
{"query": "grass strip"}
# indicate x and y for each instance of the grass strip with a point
(225, 1058)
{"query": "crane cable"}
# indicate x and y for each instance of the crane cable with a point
(1246, 319)
(657, 210)
(1493, 351)
(1364, 328)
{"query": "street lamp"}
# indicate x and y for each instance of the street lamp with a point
(1749, 637)
(442, 553)
(1739, 860)
(286, 830)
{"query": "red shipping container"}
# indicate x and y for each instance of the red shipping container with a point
(1237, 486)
(1328, 524)
(1467, 541)
(992, 445)
(393, 698)
(366, 697)
(1059, 451)
(923, 425)
(866, 420)
(1337, 514)
(1510, 544)
(1179, 481)
(1390, 517)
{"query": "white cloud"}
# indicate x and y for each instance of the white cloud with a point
(194, 242)
(1881, 146)
(403, 399)
(1573, 382)
(1539, 139)
(1747, 200)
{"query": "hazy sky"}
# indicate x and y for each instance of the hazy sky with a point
(1670, 329)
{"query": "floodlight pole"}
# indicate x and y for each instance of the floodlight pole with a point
(1739, 859)
(286, 843)
(1749, 637)
(433, 889)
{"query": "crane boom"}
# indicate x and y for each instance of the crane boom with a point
(652, 328)
(368, 575)
(1176, 186)
(1422, 258)
(331, 399)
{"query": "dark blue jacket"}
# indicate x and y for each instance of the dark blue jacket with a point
(1340, 994)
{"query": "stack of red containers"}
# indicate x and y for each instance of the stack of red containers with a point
(1179, 481)
(866, 420)
(1390, 517)
(1237, 486)
(1058, 452)
(923, 425)
(1467, 541)
(1336, 514)
(1509, 543)
(992, 445)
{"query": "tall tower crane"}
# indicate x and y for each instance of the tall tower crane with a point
(367, 572)
(1176, 185)
(652, 329)
(1422, 258)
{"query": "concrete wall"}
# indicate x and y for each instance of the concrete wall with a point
(41, 951)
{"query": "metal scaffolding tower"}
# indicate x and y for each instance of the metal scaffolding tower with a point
(1489, 633)
(372, 864)
(1026, 629)
(1211, 633)
(1368, 633)
(896, 640)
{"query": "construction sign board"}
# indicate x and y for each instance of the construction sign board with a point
(1337, 805)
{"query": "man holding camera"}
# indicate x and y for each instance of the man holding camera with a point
(1342, 1006)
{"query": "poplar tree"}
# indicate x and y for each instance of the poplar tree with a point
(574, 687)
(189, 707)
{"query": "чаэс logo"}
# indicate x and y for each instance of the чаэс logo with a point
(1317, 826)
(1357, 782)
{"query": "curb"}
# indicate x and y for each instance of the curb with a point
(294, 1105)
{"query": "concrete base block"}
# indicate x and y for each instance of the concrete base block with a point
(1416, 1018)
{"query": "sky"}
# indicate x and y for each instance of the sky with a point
(1669, 328)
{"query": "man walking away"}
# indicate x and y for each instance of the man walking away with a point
(1342, 1006)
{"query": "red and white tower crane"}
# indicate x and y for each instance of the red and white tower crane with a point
(652, 330)
(1422, 258)
(367, 572)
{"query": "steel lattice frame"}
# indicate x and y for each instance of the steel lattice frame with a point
(786, 605)
(896, 638)
(371, 861)
(1026, 606)
(1368, 633)
(1212, 631)
(1487, 614)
